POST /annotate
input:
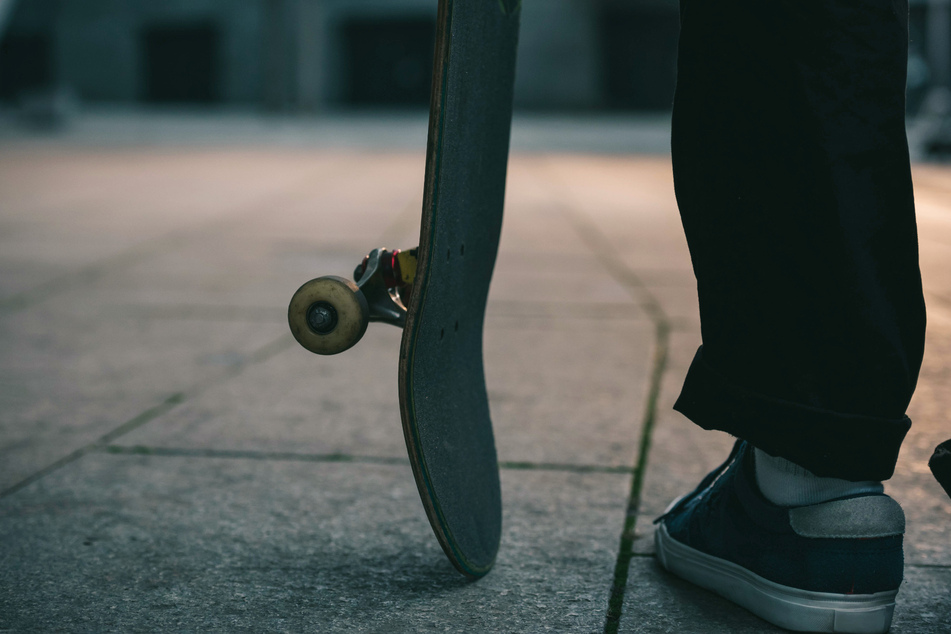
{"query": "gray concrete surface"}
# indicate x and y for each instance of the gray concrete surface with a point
(170, 460)
(136, 542)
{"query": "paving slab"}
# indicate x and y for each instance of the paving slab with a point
(567, 279)
(348, 404)
(632, 201)
(168, 269)
(65, 210)
(230, 279)
(552, 404)
(120, 543)
(258, 250)
(541, 257)
(69, 376)
(625, 212)
(296, 401)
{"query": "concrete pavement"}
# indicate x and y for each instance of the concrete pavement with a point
(170, 459)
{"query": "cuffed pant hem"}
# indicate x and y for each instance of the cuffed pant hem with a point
(830, 444)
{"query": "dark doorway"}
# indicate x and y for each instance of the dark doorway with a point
(639, 57)
(389, 62)
(181, 63)
(26, 63)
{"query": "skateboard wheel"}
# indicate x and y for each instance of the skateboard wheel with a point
(328, 315)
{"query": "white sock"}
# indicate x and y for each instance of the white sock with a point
(787, 484)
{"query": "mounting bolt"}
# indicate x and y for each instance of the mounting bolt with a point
(322, 318)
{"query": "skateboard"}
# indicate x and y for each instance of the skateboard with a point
(437, 292)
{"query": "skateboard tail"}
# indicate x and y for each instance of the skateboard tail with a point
(467, 527)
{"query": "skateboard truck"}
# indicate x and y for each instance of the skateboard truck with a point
(330, 314)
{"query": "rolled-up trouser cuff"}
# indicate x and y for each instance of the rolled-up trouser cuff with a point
(830, 444)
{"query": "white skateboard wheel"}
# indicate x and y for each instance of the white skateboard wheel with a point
(328, 315)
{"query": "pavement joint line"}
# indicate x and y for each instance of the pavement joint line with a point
(929, 566)
(90, 273)
(565, 467)
(150, 414)
(265, 352)
(606, 253)
(625, 550)
(290, 456)
(243, 454)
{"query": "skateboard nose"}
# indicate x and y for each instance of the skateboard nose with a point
(321, 317)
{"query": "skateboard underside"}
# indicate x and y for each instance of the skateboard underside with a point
(443, 400)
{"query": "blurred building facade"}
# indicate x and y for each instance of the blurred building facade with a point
(311, 55)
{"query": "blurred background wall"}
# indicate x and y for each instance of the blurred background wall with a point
(314, 55)
(325, 54)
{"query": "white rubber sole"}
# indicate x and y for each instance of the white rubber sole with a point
(791, 608)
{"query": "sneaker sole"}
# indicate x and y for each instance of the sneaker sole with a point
(791, 608)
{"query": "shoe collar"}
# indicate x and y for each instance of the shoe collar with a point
(707, 482)
(761, 511)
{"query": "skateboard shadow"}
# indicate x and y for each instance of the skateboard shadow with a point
(376, 577)
(404, 575)
(377, 591)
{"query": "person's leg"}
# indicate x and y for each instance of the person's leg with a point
(793, 180)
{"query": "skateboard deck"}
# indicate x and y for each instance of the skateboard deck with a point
(438, 292)
(443, 399)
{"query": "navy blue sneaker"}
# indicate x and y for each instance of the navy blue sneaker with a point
(830, 567)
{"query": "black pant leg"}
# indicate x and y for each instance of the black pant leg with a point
(792, 175)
